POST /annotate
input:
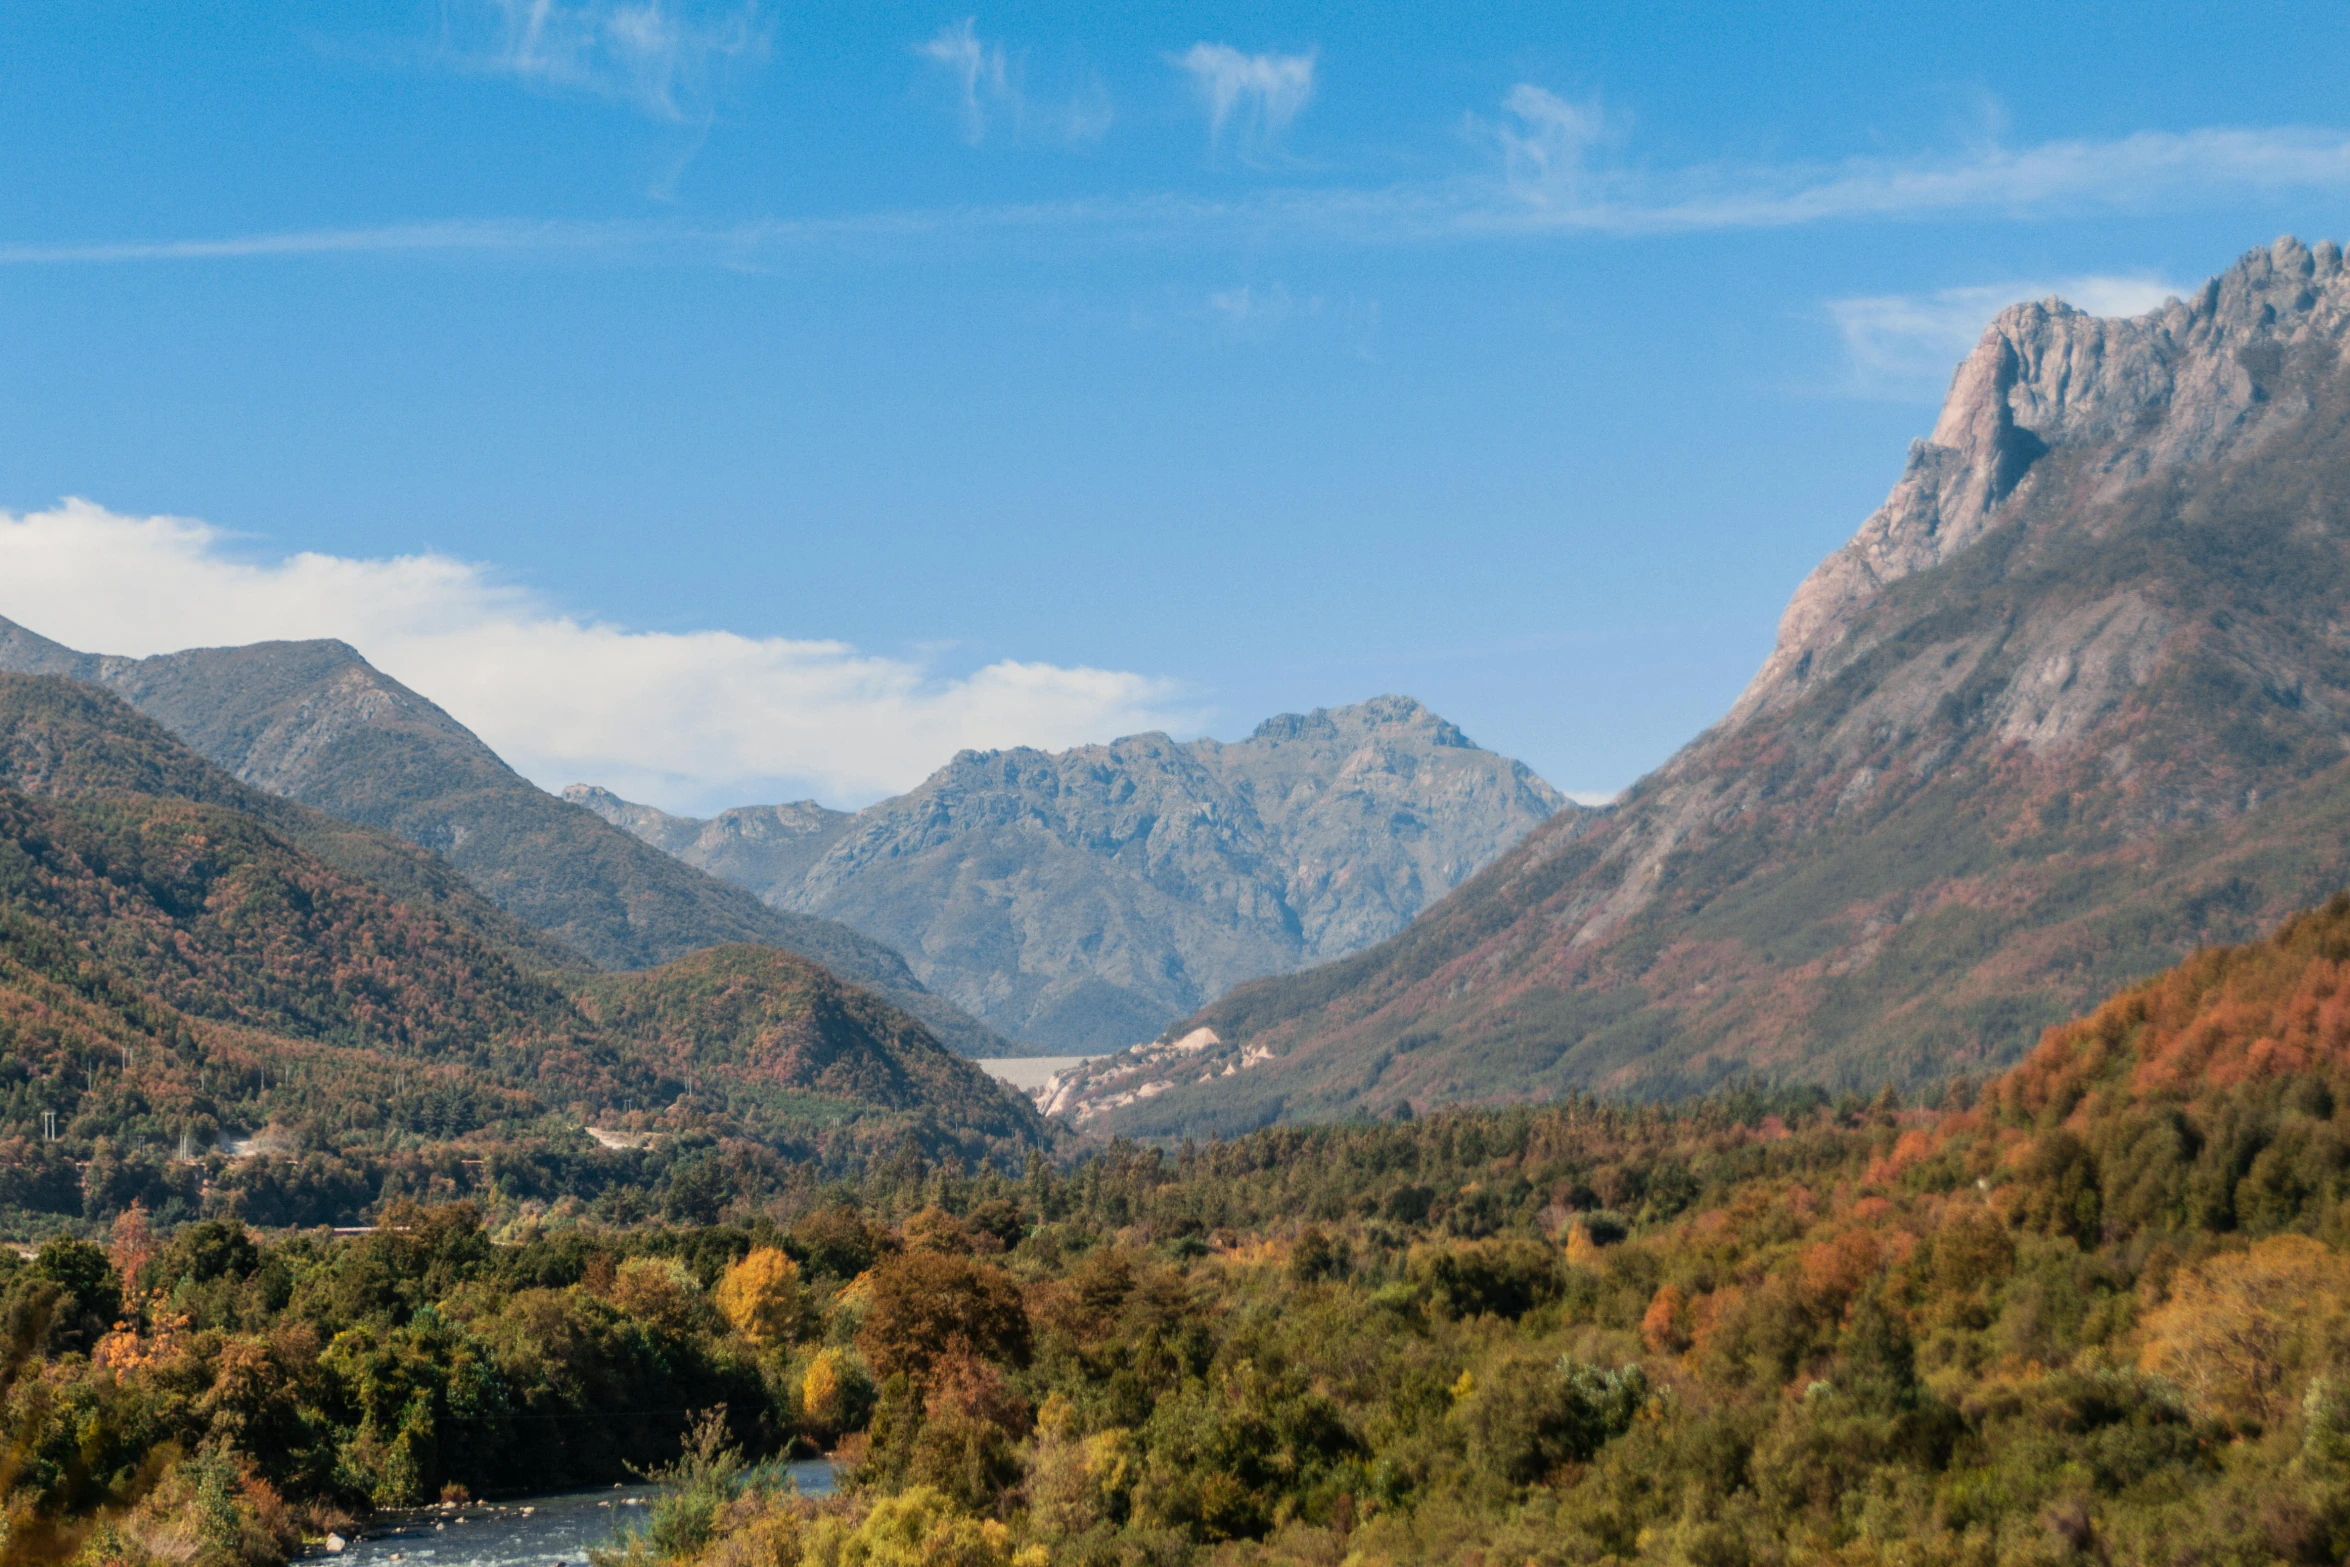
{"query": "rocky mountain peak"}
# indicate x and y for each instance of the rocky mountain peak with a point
(1083, 898)
(1362, 720)
(2192, 381)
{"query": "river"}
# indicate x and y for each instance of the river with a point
(527, 1531)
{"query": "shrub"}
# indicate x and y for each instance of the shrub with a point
(1526, 1416)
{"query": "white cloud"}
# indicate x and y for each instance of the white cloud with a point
(989, 91)
(1548, 179)
(667, 57)
(980, 73)
(1255, 96)
(1907, 343)
(1248, 303)
(387, 238)
(2151, 169)
(689, 720)
(1546, 152)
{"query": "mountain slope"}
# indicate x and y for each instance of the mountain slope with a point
(314, 722)
(758, 1016)
(61, 737)
(1086, 899)
(2072, 703)
(171, 968)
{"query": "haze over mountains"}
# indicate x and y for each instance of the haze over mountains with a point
(315, 723)
(1083, 900)
(2074, 701)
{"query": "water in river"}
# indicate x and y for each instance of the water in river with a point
(527, 1531)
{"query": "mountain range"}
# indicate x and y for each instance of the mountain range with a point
(2073, 702)
(315, 723)
(1084, 899)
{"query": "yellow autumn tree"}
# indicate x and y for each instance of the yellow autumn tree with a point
(761, 1297)
(820, 1391)
(2242, 1329)
(1582, 1250)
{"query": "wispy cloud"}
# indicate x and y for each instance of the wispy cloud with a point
(668, 58)
(1904, 344)
(1550, 173)
(384, 239)
(1547, 143)
(1263, 312)
(990, 91)
(1254, 97)
(981, 74)
(1556, 182)
(685, 719)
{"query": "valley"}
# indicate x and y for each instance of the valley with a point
(1910, 1125)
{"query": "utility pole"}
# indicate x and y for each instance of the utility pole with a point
(49, 1126)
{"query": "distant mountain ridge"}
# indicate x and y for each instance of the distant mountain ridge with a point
(1082, 900)
(764, 848)
(316, 723)
(2074, 701)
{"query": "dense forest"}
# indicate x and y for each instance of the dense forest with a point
(2095, 1309)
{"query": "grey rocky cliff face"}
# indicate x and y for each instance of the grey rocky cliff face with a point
(2051, 422)
(2191, 383)
(1082, 900)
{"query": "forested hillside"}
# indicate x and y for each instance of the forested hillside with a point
(2096, 1309)
(197, 1014)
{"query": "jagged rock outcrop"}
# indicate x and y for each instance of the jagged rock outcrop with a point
(316, 723)
(1081, 900)
(2184, 385)
(2075, 700)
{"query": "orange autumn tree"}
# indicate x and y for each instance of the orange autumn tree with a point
(927, 1305)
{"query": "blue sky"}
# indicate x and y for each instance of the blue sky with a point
(727, 401)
